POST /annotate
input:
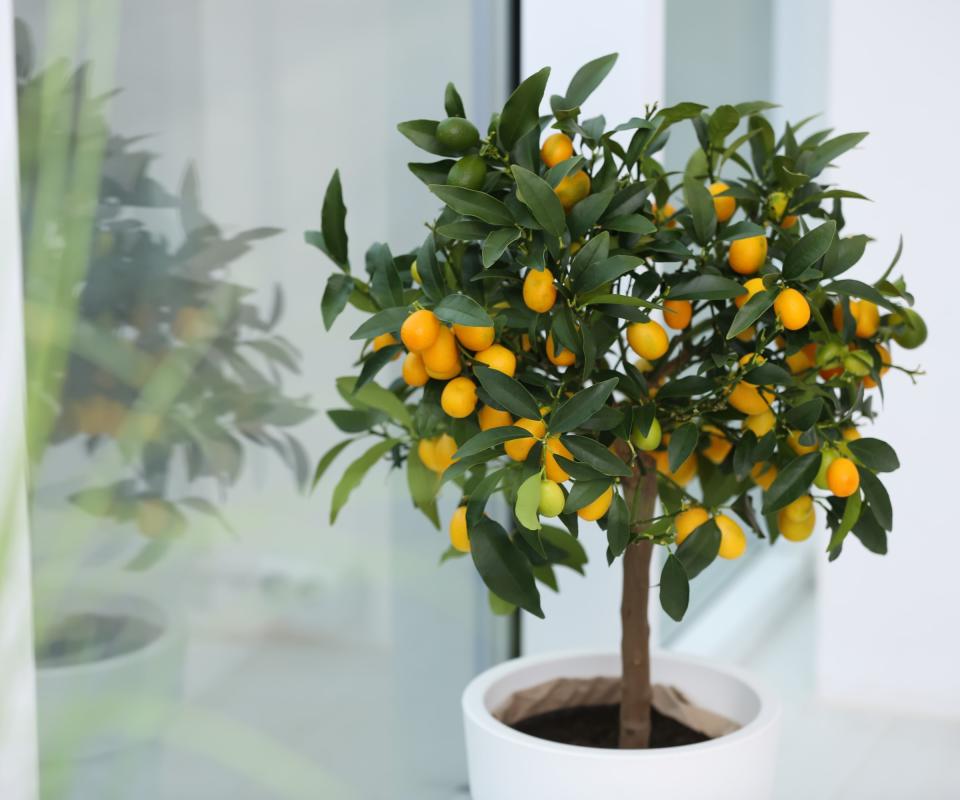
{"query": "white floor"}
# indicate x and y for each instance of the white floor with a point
(833, 753)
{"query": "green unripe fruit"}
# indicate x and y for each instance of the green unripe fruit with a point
(858, 363)
(909, 329)
(414, 272)
(830, 353)
(649, 442)
(827, 457)
(457, 134)
(552, 498)
(469, 172)
(776, 206)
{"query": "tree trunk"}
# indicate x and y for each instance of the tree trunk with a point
(640, 493)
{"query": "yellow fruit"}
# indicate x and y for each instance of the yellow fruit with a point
(414, 272)
(553, 469)
(686, 522)
(539, 292)
(718, 446)
(761, 424)
(664, 217)
(868, 319)
(556, 149)
(444, 446)
(572, 189)
(552, 498)
(459, 538)
(442, 357)
(596, 509)
(420, 330)
(842, 477)
(747, 335)
(748, 399)
(677, 314)
(647, 339)
(499, 358)
(750, 360)
(747, 255)
(792, 308)
(776, 205)
(799, 509)
(564, 358)
(723, 206)
(414, 372)
(493, 418)
(803, 360)
(850, 434)
(519, 449)
(446, 374)
(796, 530)
(732, 539)
(685, 472)
(793, 439)
(385, 340)
(763, 475)
(427, 450)
(459, 398)
(753, 286)
(474, 338)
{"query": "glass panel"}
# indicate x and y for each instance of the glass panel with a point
(202, 629)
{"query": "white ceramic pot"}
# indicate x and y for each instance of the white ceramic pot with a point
(507, 765)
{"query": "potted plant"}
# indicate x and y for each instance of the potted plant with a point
(150, 375)
(583, 334)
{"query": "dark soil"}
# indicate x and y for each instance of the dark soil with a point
(598, 726)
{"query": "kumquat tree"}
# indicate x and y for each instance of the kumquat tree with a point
(583, 333)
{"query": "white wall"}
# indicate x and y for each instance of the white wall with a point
(559, 34)
(888, 627)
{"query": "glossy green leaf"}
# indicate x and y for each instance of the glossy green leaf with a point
(486, 440)
(423, 133)
(333, 218)
(809, 249)
(595, 251)
(375, 396)
(700, 548)
(851, 513)
(472, 203)
(355, 473)
(588, 78)
(579, 408)
(793, 481)
(521, 113)
(583, 493)
(750, 312)
(700, 203)
(618, 525)
(605, 271)
(496, 243)
(875, 493)
(509, 393)
(452, 103)
(674, 588)
(683, 442)
(875, 454)
(706, 287)
(591, 452)
(528, 501)
(535, 193)
(423, 484)
(335, 296)
(387, 321)
(327, 459)
(462, 310)
(501, 566)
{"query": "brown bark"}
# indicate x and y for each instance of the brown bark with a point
(640, 493)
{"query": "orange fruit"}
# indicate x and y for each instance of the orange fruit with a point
(796, 522)
(677, 313)
(748, 399)
(554, 471)
(788, 221)
(842, 477)
(474, 338)
(718, 446)
(442, 357)
(599, 507)
(459, 538)
(437, 454)
(493, 418)
(799, 509)
(459, 398)
(763, 475)
(539, 292)
(499, 358)
(572, 189)
(850, 434)
(385, 340)
(685, 472)
(647, 339)
(733, 542)
(793, 439)
(420, 330)
(792, 308)
(686, 522)
(414, 372)
(556, 149)
(723, 206)
(519, 449)
(664, 217)
(865, 314)
(803, 359)
(747, 255)
(562, 359)
(761, 423)
(753, 286)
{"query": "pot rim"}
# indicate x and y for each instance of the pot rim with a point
(475, 707)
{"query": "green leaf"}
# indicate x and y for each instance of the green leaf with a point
(452, 103)
(472, 203)
(355, 473)
(332, 223)
(875, 454)
(574, 556)
(851, 513)
(423, 484)
(583, 405)
(583, 493)
(433, 172)
(385, 286)
(630, 223)
(683, 442)
(843, 254)
(700, 203)
(793, 481)
(335, 296)
(751, 311)
(486, 440)
(604, 272)
(831, 149)
(805, 415)
(535, 193)
(521, 113)
(496, 243)
(499, 606)
(870, 533)
(674, 588)
(423, 133)
(462, 310)
(387, 321)
(723, 121)
(768, 374)
(591, 452)
(467, 230)
(741, 230)
(355, 420)
(700, 548)
(678, 112)
(809, 249)
(588, 78)
(875, 493)
(501, 566)
(853, 288)
(706, 287)
(584, 215)
(431, 276)
(480, 495)
(618, 525)
(593, 252)
(528, 501)
(375, 362)
(619, 300)
(507, 392)
(327, 459)
(375, 396)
